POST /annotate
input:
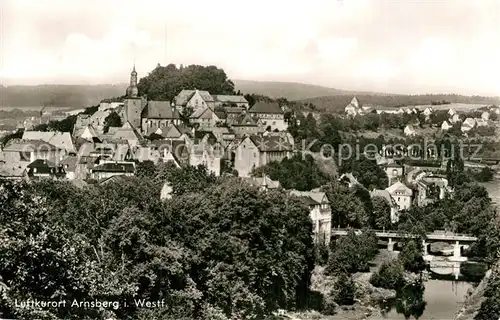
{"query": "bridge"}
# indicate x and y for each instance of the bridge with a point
(457, 239)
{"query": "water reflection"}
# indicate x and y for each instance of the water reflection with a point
(409, 301)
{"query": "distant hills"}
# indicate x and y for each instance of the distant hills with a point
(338, 102)
(331, 99)
(63, 96)
(324, 98)
(290, 90)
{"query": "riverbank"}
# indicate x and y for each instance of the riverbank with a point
(476, 297)
(443, 298)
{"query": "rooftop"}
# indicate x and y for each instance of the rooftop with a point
(266, 107)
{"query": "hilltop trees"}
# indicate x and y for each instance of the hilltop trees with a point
(164, 83)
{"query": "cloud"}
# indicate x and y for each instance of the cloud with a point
(393, 46)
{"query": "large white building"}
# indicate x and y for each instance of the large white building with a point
(270, 114)
(321, 213)
(401, 194)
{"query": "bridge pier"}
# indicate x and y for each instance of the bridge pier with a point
(456, 250)
(424, 248)
(390, 245)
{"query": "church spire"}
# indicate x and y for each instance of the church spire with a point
(132, 90)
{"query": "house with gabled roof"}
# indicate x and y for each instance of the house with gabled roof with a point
(109, 169)
(45, 169)
(468, 124)
(205, 118)
(321, 213)
(158, 114)
(259, 150)
(263, 182)
(401, 194)
(13, 166)
(97, 119)
(61, 140)
(233, 113)
(353, 108)
(194, 99)
(480, 122)
(485, 116)
(230, 101)
(207, 155)
(455, 118)
(410, 131)
(428, 111)
(446, 125)
(31, 150)
(88, 133)
(172, 131)
(245, 124)
(270, 114)
(128, 133)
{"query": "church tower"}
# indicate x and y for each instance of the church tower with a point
(133, 103)
(132, 90)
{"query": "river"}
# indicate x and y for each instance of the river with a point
(443, 298)
(493, 188)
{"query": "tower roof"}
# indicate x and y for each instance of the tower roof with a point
(132, 90)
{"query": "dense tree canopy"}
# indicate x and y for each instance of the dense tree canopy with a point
(368, 173)
(300, 173)
(352, 253)
(347, 209)
(225, 252)
(164, 83)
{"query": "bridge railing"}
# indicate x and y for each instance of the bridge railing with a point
(395, 232)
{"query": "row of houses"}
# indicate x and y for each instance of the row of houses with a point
(354, 108)
(206, 111)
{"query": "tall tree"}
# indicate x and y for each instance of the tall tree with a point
(112, 120)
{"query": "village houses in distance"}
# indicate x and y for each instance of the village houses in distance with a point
(222, 130)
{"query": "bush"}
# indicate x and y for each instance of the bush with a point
(345, 290)
(321, 250)
(390, 276)
(411, 257)
(329, 307)
(352, 253)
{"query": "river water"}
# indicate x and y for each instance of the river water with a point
(493, 188)
(444, 298)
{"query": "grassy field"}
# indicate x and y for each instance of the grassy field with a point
(459, 107)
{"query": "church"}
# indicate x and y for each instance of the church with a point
(147, 116)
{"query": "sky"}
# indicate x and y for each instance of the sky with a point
(397, 46)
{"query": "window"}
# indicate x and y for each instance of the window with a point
(274, 123)
(399, 199)
(254, 155)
